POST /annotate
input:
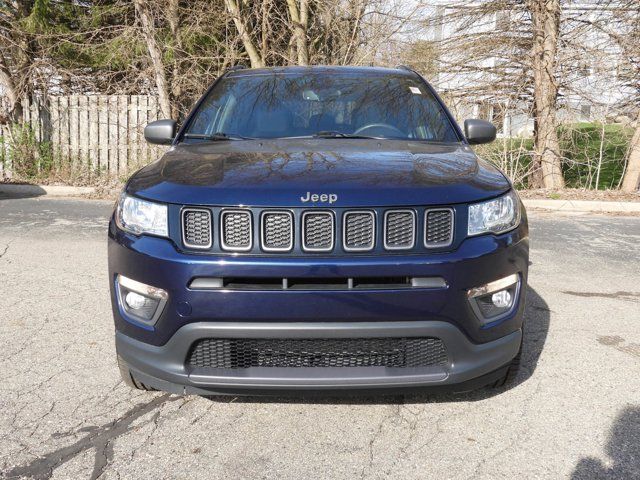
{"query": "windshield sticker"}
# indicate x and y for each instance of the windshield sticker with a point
(415, 90)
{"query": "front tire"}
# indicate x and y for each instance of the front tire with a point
(128, 378)
(512, 371)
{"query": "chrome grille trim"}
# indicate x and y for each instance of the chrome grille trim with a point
(346, 231)
(328, 214)
(264, 230)
(389, 246)
(452, 222)
(183, 227)
(223, 230)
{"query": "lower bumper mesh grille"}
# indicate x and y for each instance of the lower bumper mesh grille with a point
(399, 352)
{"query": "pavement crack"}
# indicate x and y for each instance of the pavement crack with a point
(618, 343)
(394, 412)
(628, 296)
(6, 248)
(100, 438)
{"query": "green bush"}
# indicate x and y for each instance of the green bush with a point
(590, 152)
(30, 160)
(589, 147)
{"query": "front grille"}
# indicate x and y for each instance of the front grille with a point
(317, 231)
(300, 231)
(438, 227)
(236, 230)
(277, 231)
(402, 352)
(359, 231)
(196, 228)
(400, 226)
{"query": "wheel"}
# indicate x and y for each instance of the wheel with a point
(128, 378)
(512, 371)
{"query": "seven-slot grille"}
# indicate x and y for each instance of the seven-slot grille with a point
(317, 231)
(438, 227)
(196, 228)
(236, 230)
(277, 231)
(399, 352)
(359, 231)
(400, 229)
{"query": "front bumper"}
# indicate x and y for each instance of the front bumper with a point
(157, 356)
(163, 367)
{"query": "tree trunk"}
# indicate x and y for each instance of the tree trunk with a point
(300, 20)
(148, 31)
(254, 57)
(547, 159)
(631, 181)
(173, 17)
(14, 107)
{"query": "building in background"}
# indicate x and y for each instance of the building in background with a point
(481, 65)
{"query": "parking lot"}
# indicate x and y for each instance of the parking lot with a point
(574, 411)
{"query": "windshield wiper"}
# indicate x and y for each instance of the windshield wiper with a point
(336, 134)
(216, 136)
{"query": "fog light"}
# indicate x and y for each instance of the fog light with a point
(135, 300)
(141, 301)
(501, 299)
(496, 299)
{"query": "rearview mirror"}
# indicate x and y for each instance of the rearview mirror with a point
(160, 132)
(479, 131)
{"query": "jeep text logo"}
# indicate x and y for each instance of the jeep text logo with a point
(320, 197)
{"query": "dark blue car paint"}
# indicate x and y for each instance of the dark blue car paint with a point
(476, 261)
(278, 172)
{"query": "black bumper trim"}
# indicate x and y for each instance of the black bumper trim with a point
(163, 367)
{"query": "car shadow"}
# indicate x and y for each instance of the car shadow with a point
(623, 448)
(536, 328)
(15, 191)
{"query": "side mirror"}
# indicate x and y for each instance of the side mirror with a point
(479, 131)
(160, 132)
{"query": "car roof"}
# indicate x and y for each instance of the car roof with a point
(320, 70)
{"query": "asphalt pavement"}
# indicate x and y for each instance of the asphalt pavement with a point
(574, 411)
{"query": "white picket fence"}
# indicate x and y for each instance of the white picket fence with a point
(101, 132)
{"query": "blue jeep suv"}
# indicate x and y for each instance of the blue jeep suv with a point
(314, 229)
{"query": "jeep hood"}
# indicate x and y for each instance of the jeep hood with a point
(280, 172)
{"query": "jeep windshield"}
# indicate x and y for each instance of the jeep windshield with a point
(320, 105)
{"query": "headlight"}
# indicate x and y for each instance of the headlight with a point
(495, 216)
(140, 216)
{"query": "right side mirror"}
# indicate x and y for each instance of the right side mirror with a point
(479, 131)
(160, 132)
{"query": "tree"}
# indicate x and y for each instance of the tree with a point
(299, 15)
(149, 33)
(624, 30)
(546, 32)
(631, 181)
(233, 7)
(16, 54)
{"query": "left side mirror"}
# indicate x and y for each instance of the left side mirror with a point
(160, 132)
(479, 131)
